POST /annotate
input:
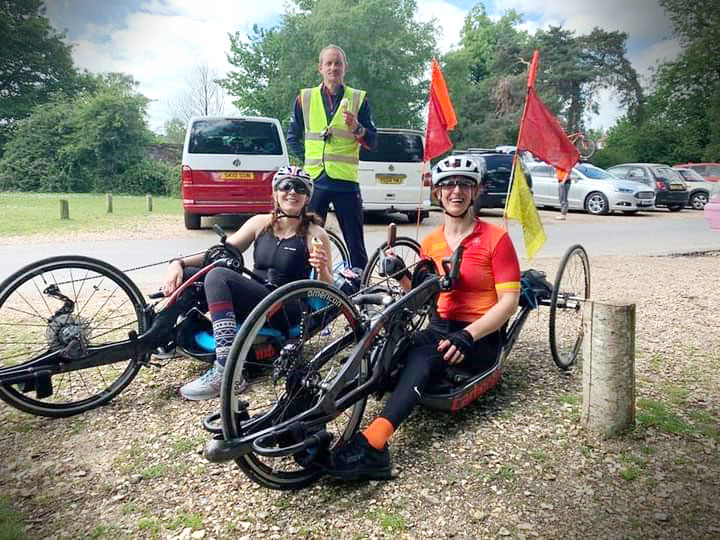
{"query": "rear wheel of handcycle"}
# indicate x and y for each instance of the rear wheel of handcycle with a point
(339, 255)
(294, 342)
(409, 251)
(570, 290)
(68, 302)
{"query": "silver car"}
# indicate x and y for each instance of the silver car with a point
(593, 189)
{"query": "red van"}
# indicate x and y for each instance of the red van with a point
(228, 164)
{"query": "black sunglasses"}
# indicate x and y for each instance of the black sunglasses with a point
(295, 185)
(450, 183)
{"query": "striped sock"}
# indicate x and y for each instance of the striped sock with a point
(223, 323)
(378, 433)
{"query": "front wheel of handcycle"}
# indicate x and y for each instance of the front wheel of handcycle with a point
(288, 351)
(570, 290)
(68, 303)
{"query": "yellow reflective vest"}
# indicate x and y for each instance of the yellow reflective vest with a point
(330, 146)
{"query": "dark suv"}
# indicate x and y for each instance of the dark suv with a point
(670, 188)
(496, 178)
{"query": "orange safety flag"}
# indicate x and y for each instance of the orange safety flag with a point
(441, 116)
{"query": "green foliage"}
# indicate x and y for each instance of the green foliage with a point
(390, 62)
(174, 131)
(96, 141)
(487, 75)
(34, 62)
(10, 521)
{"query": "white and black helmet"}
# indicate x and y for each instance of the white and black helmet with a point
(457, 166)
(292, 173)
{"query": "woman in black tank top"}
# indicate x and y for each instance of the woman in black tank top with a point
(282, 253)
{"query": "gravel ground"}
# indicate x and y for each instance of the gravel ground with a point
(516, 464)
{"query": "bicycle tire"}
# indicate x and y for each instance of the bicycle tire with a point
(339, 256)
(404, 247)
(585, 147)
(97, 287)
(277, 314)
(570, 289)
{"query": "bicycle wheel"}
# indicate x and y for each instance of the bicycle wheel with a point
(406, 248)
(570, 290)
(339, 256)
(585, 147)
(292, 344)
(65, 302)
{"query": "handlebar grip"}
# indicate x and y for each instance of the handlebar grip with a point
(392, 235)
(220, 232)
(156, 295)
(374, 299)
(455, 262)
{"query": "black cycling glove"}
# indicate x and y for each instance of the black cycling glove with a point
(394, 266)
(463, 342)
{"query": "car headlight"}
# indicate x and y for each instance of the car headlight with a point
(623, 190)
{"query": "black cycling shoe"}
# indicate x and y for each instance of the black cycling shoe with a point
(357, 460)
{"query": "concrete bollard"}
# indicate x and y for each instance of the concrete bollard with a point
(108, 203)
(148, 202)
(608, 404)
(64, 209)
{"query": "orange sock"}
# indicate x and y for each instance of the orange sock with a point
(378, 433)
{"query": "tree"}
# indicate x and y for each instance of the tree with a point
(174, 131)
(202, 97)
(388, 53)
(34, 61)
(487, 75)
(96, 141)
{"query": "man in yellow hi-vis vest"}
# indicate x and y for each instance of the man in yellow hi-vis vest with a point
(330, 122)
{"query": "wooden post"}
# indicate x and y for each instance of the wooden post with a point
(608, 403)
(108, 202)
(148, 202)
(64, 209)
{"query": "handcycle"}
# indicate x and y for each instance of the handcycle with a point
(313, 398)
(75, 331)
(584, 144)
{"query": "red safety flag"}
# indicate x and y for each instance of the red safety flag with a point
(441, 116)
(540, 131)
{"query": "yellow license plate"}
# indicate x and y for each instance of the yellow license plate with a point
(390, 178)
(676, 187)
(237, 175)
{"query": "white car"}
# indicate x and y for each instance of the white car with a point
(394, 177)
(592, 189)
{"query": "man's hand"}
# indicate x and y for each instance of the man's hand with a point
(457, 346)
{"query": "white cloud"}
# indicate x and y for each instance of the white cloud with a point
(449, 17)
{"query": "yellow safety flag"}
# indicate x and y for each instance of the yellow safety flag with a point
(521, 207)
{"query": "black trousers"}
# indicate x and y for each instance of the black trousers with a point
(423, 364)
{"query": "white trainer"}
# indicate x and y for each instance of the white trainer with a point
(207, 386)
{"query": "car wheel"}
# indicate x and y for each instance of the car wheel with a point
(596, 203)
(698, 200)
(675, 207)
(192, 221)
(412, 216)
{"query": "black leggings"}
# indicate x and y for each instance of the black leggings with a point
(223, 285)
(423, 364)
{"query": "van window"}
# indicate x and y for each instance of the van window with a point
(234, 136)
(396, 148)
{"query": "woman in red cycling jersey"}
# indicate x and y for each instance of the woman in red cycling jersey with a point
(466, 325)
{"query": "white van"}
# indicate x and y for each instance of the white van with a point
(228, 164)
(394, 177)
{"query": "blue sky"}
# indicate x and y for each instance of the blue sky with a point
(159, 41)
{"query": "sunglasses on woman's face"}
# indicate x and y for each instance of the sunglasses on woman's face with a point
(464, 183)
(294, 185)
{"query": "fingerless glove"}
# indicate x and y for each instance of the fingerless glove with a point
(463, 342)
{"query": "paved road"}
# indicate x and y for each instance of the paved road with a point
(653, 233)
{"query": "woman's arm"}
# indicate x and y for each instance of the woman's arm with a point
(493, 320)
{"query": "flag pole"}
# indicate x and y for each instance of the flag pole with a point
(532, 73)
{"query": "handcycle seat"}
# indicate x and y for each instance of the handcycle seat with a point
(533, 288)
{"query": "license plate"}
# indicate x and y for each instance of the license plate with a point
(643, 203)
(676, 187)
(237, 175)
(390, 178)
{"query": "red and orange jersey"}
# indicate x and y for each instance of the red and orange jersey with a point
(489, 265)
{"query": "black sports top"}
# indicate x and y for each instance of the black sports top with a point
(281, 261)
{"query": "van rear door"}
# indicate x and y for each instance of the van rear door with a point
(228, 164)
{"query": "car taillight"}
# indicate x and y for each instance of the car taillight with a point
(187, 174)
(427, 180)
(660, 185)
